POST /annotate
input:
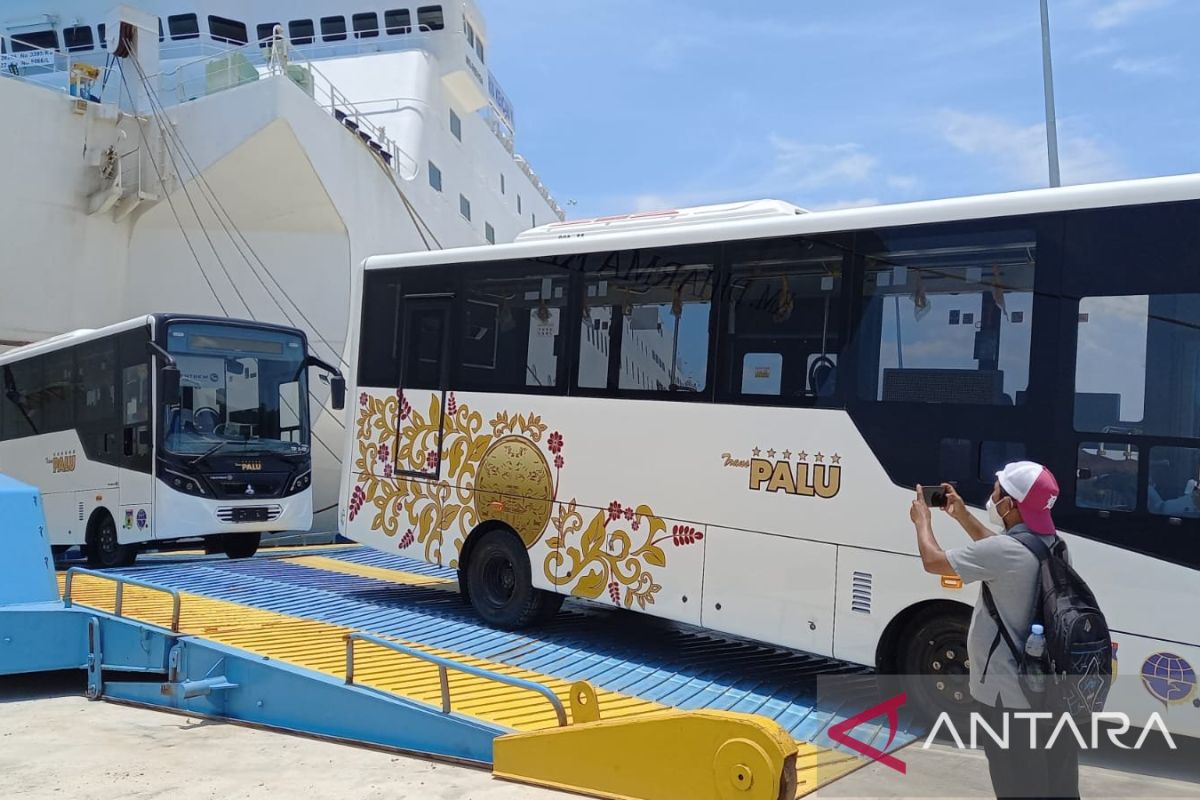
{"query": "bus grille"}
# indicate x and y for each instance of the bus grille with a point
(225, 513)
(860, 592)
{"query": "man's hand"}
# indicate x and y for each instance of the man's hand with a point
(955, 506)
(919, 512)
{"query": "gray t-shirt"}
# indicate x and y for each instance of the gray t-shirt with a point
(1011, 571)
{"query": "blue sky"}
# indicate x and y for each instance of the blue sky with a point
(634, 104)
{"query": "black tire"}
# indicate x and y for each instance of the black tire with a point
(499, 584)
(103, 548)
(463, 587)
(241, 545)
(933, 662)
(213, 545)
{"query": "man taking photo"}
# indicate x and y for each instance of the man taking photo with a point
(1021, 500)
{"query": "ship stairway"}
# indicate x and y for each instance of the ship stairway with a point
(370, 648)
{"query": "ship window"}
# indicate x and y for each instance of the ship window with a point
(435, 176)
(501, 183)
(464, 207)
(366, 25)
(78, 38)
(183, 26)
(455, 125)
(161, 37)
(397, 21)
(301, 31)
(470, 32)
(266, 32)
(34, 40)
(479, 48)
(100, 32)
(489, 233)
(227, 30)
(430, 18)
(518, 204)
(333, 29)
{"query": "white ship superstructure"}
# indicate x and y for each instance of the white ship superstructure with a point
(242, 158)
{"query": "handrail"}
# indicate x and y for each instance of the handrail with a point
(444, 665)
(122, 582)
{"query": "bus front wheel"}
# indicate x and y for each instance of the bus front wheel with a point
(103, 548)
(934, 663)
(499, 583)
(241, 545)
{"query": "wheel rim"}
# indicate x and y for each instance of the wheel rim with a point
(943, 658)
(499, 580)
(107, 539)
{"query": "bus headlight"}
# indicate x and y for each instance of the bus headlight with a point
(183, 483)
(300, 482)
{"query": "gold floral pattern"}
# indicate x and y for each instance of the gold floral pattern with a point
(503, 474)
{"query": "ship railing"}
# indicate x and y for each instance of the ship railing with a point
(523, 165)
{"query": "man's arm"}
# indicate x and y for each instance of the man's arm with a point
(957, 509)
(933, 557)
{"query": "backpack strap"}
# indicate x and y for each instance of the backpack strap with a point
(1001, 632)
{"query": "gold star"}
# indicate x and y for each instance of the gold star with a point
(836, 458)
(802, 456)
(787, 454)
(771, 453)
(757, 452)
(819, 458)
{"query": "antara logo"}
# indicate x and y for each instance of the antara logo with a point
(62, 462)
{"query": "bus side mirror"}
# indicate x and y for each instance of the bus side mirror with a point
(337, 392)
(169, 385)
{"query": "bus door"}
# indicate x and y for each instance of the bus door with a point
(424, 346)
(134, 439)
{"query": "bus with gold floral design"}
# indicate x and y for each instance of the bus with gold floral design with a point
(717, 415)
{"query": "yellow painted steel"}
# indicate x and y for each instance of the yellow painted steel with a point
(636, 736)
(378, 573)
(698, 755)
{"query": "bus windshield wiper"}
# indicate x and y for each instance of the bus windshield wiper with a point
(209, 451)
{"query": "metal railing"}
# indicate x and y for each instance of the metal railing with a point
(121, 583)
(444, 665)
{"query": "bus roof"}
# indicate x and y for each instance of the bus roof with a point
(762, 219)
(75, 337)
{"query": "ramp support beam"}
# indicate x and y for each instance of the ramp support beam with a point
(700, 755)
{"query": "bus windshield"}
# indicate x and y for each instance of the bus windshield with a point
(242, 390)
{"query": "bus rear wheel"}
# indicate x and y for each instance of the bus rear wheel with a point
(104, 549)
(241, 545)
(934, 663)
(499, 583)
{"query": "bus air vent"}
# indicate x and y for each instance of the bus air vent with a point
(81, 512)
(860, 592)
(249, 513)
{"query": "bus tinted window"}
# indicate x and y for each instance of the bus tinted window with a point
(512, 330)
(23, 394)
(58, 399)
(1175, 481)
(783, 317)
(648, 315)
(947, 318)
(1137, 364)
(95, 398)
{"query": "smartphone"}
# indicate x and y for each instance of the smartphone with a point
(935, 496)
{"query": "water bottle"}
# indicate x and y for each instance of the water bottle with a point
(1035, 660)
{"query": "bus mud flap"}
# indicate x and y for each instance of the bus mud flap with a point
(698, 755)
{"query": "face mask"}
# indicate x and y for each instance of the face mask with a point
(994, 513)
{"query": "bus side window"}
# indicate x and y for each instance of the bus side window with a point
(135, 400)
(23, 395)
(96, 399)
(782, 321)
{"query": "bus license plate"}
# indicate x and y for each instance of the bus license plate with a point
(251, 514)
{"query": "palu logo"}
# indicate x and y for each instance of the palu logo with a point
(62, 462)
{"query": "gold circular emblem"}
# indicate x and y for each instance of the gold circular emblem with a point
(514, 485)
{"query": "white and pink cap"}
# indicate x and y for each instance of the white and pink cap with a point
(1035, 490)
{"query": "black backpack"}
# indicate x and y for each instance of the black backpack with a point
(1078, 645)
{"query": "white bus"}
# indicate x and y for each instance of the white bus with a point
(160, 428)
(717, 416)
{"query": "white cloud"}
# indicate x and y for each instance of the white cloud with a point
(1156, 66)
(799, 165)
(669, 52)
(1118, 12)
(1019, 152)
(903, 183)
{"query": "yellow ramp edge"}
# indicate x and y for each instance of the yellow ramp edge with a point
(378, 573)
(692, 755)
(636, 737)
